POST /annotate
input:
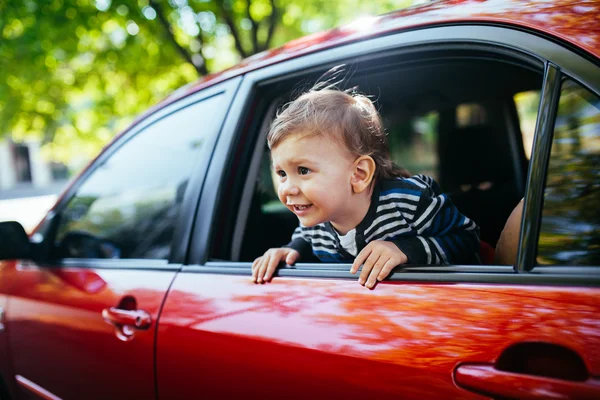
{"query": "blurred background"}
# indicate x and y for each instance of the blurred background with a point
(74, 73)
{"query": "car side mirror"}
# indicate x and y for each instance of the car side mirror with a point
(14, 242)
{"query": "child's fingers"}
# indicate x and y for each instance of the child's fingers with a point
(273, 262)
(292, 257)
(263, 268)
(377, 268)
(360, 259)
(369, 264)
(255, 267)
(387, 268)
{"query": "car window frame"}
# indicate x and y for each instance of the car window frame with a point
(183, 228)
(516, 42)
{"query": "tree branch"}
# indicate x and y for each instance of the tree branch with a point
(272, 25)
(255, 48)
(231, 24)
(167, 27)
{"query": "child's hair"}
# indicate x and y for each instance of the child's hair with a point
(349, 118)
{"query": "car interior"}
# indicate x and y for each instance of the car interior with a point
(455, 116)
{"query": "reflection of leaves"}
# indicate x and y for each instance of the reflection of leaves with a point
(564, 17)
(434, 325)
(191, 308)
(274, 302)
(400, 340)
(420, 325)
(570, 233)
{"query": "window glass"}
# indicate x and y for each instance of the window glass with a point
(570, 230)
(129, 205)
(527, 104)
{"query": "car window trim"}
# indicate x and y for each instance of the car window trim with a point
(436, 274)
(120, 264)
(538, 169)
(515, 41)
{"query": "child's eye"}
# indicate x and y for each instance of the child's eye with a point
(303, 170)
(281, 173)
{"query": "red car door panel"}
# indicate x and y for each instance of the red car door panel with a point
(61, 342)
(224, 336)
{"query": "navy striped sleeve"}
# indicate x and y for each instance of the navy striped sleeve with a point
(301, 244)
(442, 235)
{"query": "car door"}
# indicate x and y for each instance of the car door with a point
(82, 320)
(458, 331)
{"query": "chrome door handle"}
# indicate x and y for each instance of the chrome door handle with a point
(140, 319)
(126, 322)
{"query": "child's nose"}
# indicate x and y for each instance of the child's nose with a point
(290, 189)
(294, 191)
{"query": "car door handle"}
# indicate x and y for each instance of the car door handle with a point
(486, 379)
(139, 319)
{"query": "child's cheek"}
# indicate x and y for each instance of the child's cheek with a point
(280, 195)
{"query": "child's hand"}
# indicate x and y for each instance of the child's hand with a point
(379, 258)
(264, 267)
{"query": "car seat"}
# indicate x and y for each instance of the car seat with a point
(477, 173)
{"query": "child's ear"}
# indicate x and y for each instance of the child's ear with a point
(363, 173)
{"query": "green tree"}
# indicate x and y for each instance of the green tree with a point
(77, 71)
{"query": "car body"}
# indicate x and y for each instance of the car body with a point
(137, 282)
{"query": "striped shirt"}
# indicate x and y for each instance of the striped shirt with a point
(412, 213)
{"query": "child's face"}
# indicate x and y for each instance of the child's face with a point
(314, 178)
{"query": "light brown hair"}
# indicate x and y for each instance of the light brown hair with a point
(348, 118)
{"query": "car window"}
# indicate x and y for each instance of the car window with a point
(570, 230)
(129, 205)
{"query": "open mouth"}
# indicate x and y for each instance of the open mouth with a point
(301, 207)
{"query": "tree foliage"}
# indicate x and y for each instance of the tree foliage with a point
(77, 71)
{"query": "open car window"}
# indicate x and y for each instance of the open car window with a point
(454, 120)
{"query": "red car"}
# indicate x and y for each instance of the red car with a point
(137, 284)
